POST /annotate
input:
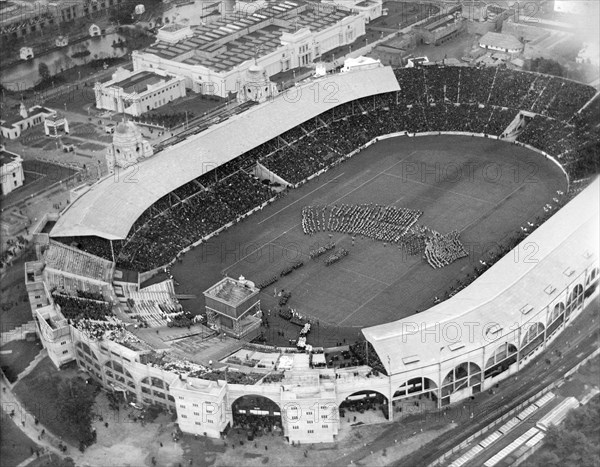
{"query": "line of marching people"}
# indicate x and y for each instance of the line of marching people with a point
(384, 223)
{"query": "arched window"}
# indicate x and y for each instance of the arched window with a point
(464, 375)
(575, 300)
(503, 357)
(558, 310)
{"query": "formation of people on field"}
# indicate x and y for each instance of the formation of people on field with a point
(387, 224)
(384, 223)
(441, 250)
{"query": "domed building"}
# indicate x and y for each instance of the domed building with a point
(128, 146)
(256, 86)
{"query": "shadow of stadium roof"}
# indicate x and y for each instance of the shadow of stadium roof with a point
(498, 297)
(112, 205)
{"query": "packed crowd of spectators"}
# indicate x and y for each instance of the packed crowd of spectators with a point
(75, 308)
(163, 236)
(550, 136)
(182, 320)
(99, 329)
(255, 425)
(431, 99)
(373, 401)
(231, 376)
(363, 353)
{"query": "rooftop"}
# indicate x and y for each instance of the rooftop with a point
(231, 291)
(31, 113)
(139, 82)
(226, 43)
(7, 158)
(502, 41)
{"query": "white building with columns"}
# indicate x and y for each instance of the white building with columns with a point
(135, 93)
(11, 171)
(215, 57)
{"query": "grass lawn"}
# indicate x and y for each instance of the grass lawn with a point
(14, 304)
(38, 392)
(23, 353)
(15, 446)
(376, 283)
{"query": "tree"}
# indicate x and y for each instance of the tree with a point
(44, 71)
(573, 444)
(76, 399)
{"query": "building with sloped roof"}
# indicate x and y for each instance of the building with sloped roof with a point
(12, 127)
(501, 42)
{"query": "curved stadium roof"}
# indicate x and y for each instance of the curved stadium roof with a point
(507, 295)
(113, 204)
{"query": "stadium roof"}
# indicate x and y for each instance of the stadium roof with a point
(510, 293)
(112, 205)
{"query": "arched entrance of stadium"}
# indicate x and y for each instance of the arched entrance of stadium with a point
(534, 337)
(465, 378)
(366, 406)
(504, 356)
(256, 416)
(417, 395)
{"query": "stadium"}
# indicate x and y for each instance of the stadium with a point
(402, 237)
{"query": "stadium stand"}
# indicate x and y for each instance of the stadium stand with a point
(431, 99)
(71, 260)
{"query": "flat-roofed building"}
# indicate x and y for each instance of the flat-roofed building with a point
(371, 9)
(231, 305)
(11, 171)
(279, 38)
(137, 92)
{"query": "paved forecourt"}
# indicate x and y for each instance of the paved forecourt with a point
(486, 189)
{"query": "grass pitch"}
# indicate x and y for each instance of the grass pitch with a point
(486, 189)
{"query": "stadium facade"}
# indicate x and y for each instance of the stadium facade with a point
(462, 346)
